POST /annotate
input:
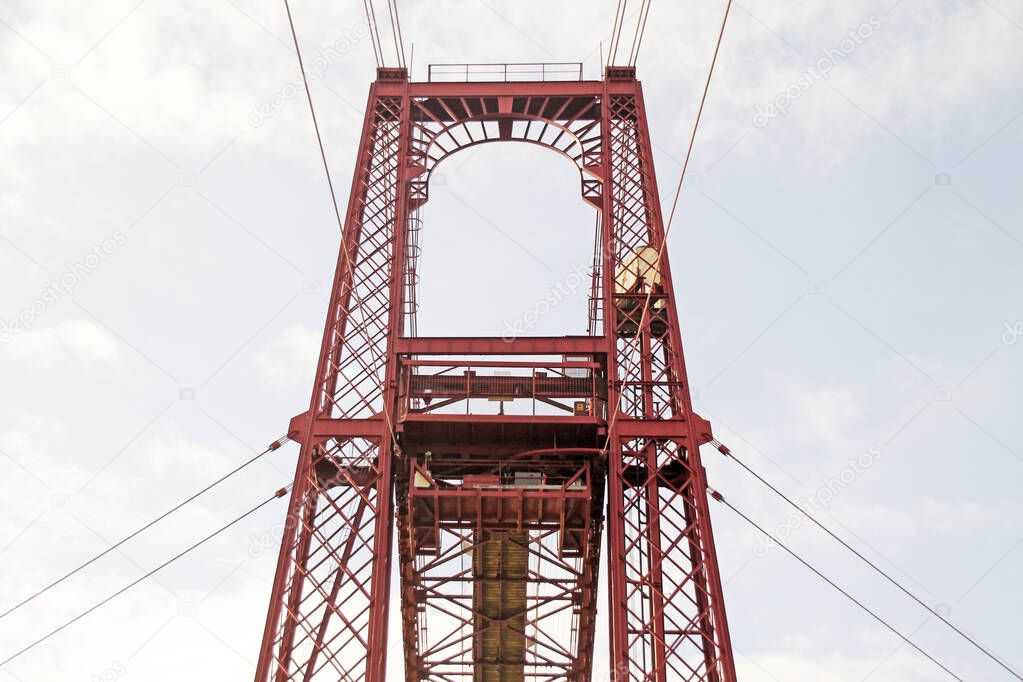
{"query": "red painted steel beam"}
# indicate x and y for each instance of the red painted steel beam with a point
(323, 428)
(495, 345)
(503, 419)
(665, 428)
(509, 89)
(521, 89)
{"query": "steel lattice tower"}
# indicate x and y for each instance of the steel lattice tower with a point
(499, 516)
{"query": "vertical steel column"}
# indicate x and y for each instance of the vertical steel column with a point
(328, 613)
(716, 635)
(666, 606)
(616, 554)
(395, 327)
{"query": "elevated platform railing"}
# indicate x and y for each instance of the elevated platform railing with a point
(571, 388)
(505, 73)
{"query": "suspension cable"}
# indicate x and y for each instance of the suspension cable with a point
(699, 116)
(280, 493)
(616, 31)
(728, 453)
(401, 36)
(720, 498)
(637, 39)
(394, 32)
(399, 43)
(273, 446)
(312, 111)
(374, 32)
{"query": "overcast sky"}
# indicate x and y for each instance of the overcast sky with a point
(848, 255)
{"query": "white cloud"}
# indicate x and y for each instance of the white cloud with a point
(829, 412)
(914, 75)
(289, 357)
(834, 667)
(69, 342)
(933, 518)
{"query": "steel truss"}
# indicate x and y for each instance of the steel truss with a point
(499, 517)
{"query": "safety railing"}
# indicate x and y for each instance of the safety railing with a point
(571, 387)
(504, 73)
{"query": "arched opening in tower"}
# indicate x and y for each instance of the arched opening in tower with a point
(497, 262)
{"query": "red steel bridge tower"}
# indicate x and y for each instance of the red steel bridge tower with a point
(492, 467)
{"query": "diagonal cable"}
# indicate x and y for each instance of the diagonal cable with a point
(727, 453)
(280, 493)
(273, 446)
(720, 498)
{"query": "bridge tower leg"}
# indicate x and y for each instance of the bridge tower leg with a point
(667, 614)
